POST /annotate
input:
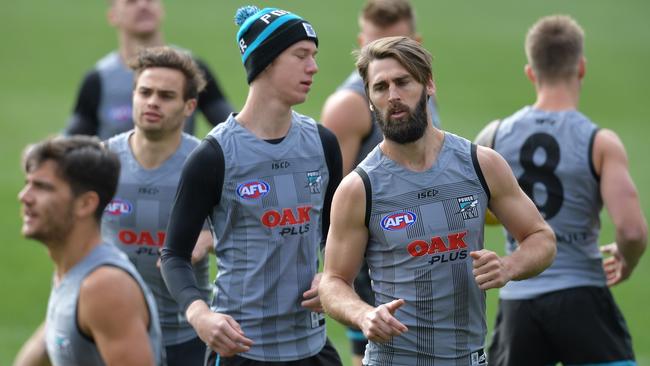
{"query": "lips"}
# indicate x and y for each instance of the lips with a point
(152, 116)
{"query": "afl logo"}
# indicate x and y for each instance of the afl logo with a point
(118, 207)
(253, 189)
(398, 220)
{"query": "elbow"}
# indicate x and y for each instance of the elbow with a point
(550, 247)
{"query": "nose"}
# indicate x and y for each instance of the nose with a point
(312, 66)
(23, 195)
(153, 101)
(392, 92)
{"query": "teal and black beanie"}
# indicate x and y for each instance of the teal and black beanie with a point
(264, 34)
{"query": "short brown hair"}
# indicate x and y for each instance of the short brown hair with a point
(384, 13)
(82, 161)
(173, 59)
(554, 47)
(409, 53)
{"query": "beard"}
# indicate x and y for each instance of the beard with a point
(54, 226)
(407, 129)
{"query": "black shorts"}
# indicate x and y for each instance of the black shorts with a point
(363, 288)
(190, 353)
(580, 325)
(326, 357)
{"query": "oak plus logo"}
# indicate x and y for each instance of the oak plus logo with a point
(439, 249)
(290, 221)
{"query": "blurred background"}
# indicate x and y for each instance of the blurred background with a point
(47, 46)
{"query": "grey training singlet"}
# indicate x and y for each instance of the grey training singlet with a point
(268, 225)
(422, 227)
(550, 154)
(136, 222)
(354, 83)
(66, 346)
(115, 105)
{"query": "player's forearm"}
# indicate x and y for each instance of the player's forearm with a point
(534, 254)
(33, 352)
(341, 302)
(632, 241)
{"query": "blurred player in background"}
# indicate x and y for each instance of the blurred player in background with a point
(103, 106)
(100, 311)
(569, 167)
(167, 85)
(346, 113)
(265, 178)
(415, 208)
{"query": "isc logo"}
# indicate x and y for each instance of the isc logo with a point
(118, 207)
(253, 189)
(398, 220)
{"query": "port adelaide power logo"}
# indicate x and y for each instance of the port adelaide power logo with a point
(468, 207)
(313, 181)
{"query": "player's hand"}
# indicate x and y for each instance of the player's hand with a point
(616, 267)
(380, 325)
(490, 270)
(221, 333)
(312, 300)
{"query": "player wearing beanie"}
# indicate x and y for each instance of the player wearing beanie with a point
(265, 178)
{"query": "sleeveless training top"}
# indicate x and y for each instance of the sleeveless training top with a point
(268, 227)
(66, 346)
(136, 222)
(550, 154)
(422, 226)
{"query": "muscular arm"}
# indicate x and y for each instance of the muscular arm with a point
(344, 252)
(347, 115)
(84, 120)
(34, 352)
(212, 102)
(622, 202)
(199, 190)
(521, 219)
(112, 311)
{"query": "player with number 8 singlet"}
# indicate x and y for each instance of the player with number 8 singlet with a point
(569, 168)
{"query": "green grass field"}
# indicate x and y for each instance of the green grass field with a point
(478, 67)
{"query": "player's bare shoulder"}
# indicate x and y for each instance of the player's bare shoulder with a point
(348, 112)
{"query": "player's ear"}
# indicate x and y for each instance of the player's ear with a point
(111, 15)
(582, 68)
(431, 87)
(360, 39)
(417, 38)
(86, 204)
(530, 74)
(190, 106)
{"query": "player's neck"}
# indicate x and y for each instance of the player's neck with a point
(69, 251)
(417, 156)
(557, 97)
(266, 119)
(129, 45)
(152, 153)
